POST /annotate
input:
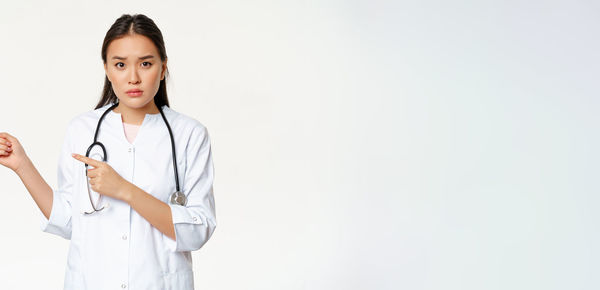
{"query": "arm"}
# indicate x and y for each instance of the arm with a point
(152, 209)
(54, 204)
(106, 181)
(13, 156)
(39, 189)
(196, 221)
(189, 227)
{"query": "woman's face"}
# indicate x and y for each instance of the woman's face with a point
(133, 62)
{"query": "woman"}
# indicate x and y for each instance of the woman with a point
(127, 227)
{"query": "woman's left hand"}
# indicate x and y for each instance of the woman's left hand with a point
(104, 179)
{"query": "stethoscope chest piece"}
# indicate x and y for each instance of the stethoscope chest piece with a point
(178, 198)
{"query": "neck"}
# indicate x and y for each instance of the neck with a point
(135, 116)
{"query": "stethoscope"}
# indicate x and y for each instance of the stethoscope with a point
(177, 197)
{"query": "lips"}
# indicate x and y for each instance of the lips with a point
(134, 93)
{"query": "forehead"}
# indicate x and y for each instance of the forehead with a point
(131, 46)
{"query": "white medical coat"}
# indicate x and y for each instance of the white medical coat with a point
(117, 248)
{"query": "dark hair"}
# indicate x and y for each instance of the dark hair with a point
(129, 25)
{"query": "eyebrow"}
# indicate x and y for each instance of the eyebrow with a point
(142, 57)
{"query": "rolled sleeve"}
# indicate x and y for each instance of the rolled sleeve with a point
(59, 222)
(195, 222)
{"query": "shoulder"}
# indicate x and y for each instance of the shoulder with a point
(191, 131)
(181, 122)
(85, 120)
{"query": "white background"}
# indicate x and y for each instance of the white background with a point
(357, 144)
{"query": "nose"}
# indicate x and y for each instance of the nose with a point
(134, 77)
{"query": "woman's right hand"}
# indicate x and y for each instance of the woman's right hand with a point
(12, 154)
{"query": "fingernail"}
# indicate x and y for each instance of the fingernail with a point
(73, 154)
(8, 143)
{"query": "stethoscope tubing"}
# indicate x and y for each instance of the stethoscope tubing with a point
(105, 156)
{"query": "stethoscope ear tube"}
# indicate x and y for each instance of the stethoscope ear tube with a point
(176, 197)
(172, 150)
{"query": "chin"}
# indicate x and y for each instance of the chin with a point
(135, 103)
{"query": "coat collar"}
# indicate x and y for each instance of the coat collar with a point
(149, 117)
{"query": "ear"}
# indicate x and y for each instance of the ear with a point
(164, 69)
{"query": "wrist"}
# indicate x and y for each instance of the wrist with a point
(130, 192)
(127, 191)
(25, 166)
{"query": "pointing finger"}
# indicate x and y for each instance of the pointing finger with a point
(87, 160)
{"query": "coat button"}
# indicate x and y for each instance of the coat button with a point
(124, 237)
(123, 286)
(129, 150)
(194, 218)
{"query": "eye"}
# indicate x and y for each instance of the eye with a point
(149, 64)
(117, 64)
